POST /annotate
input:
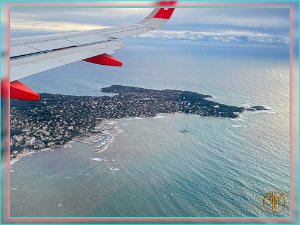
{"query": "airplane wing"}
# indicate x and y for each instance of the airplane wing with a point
(30, 55)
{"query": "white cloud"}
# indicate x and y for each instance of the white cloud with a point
(94, 16)
(19, 25)
(239, 17)
(222, 36)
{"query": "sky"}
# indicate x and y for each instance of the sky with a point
(237, 25)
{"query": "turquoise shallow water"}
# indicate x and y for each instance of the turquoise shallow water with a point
(221, 167)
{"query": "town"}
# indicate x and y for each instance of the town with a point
(57, 119)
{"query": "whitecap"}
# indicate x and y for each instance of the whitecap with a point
(261, 111)
(119, 130)
(67, 146)
(268, 107)
(246, 105)
(159, 117)
(97, 159)
(14, 161)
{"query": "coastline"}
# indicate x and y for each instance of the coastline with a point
(28, 153)
(20, 156)
(88, 138)
(107, 130)
(103, 129)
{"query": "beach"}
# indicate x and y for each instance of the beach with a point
(100, 138)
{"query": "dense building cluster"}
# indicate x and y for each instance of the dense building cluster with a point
(57, 119)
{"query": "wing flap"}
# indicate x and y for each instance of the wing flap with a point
(22, 50)
(26, 66)
(87, 39)
(51, 45)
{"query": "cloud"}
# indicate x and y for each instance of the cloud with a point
(94, 16)
(223, 36)
(236, 17)
(49, 26)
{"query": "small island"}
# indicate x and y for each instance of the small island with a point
(57, 119)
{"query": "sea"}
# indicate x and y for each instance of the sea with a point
(219, 168)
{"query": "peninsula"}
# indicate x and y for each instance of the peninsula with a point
(57, 119)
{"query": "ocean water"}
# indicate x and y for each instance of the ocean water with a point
(222, 167)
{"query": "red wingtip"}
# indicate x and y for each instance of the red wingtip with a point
(165, 13)
(104, 59)
(22, 92)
